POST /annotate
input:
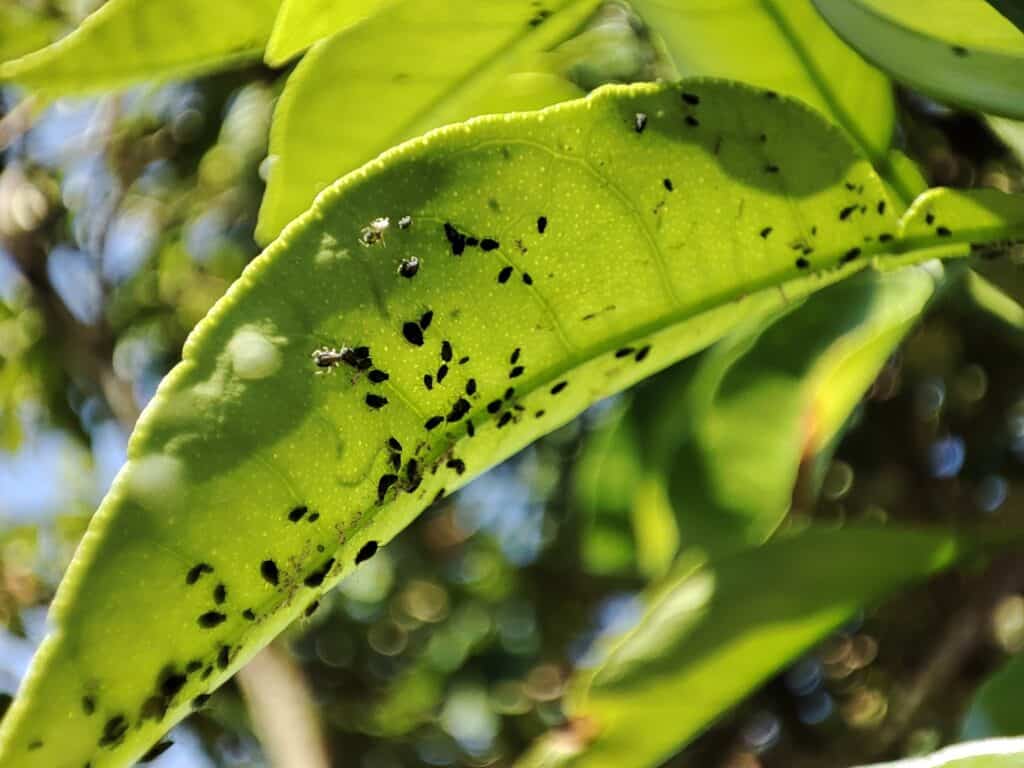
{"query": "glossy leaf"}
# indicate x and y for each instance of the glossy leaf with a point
(359, 93)
(301, 23)
(1012, 10)
(784, 46)
(993, 753)
(960, 51)
(996, 710)
(253, 483)
(129, 41)
(714, 631)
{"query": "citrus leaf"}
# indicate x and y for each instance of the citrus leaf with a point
(408, 69)
(993, 753)
(128, 41)
(22, 31)
(1012, 10)
(784, 46)
(995, 709)
(300, 23)
(715, 630)
(960, 51)
(253, 483)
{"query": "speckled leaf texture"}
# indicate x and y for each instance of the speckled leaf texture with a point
(993, 753)
(560, 257)
(960, 51)
(360, 92)
(152, 39)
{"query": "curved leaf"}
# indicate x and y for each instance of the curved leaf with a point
(993, 753)
(411, 68)
(1012, 10)
(22, 30)
(253, 483)
(784, 46)
(995, 710)
(713, 631)
(300, 23)
(960, 51)
(127, 41)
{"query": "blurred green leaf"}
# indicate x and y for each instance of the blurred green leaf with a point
(959, 51)
(300, 23)
(410, 68)
(714, 631)
(996, 709)
(253, 483)
(129, 41)
(994, 753)
(22, 30)
(784, 46)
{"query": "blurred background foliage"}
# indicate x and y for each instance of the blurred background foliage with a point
(124, 217)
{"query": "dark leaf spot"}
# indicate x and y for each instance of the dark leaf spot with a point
(802, 263)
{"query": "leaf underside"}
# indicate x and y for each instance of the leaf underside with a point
(562, 256)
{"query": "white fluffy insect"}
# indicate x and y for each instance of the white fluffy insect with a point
(373, 233)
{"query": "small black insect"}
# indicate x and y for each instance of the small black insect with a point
(426, 318)
(667, 184)
(446, 351)
(516, 372)
(409, 267)
(943, 232)
(311, 608)
(376, 401)
(269, 572)
(378, 377)
(249, 615)
(504, 274)
(457, 464)
(211, 619)
(434, 422)
(298, 513)
(844, 214)
(642, 353)
(368, 550)
(394, 445)
(542, 224)
(384, 485)
(691, 121)
(196, 572)
(765, 232)
(471, 387)
(559, 387)
(691, 98)
(413, 333)
(156, 751)
(220, 594)
(489, 244)
(316, 578)
(527, 279)
(442, 372)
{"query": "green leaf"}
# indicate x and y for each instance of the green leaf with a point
(993, 753)
(1012, 10)
(128, 41)
(960, 51)
(22, 31)
(784, 46)
(714, 631)
(772, 396)
(300, 23)
(408, 69)
(279, 480)
(996, 710)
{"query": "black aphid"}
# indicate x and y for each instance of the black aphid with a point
(311, 608)
(691, 98)
(316, 578)
(456, 239)
(504, 274)
(378, 376)
(88, 705)
(844, 214)
(220, 594)
(426, 318)
(413, 333)
(881, 207)
(506, 417)
(765, 232)
(542, 224)
(298, 513)
(489, 244)
(409, 267)
(394, 445)
(211, 619)
(850, 255)
(171, 683)
(516, 372)
(639, 123)
(428, 381)
(157, 750)
(771, 168)
(446, 351)
(384, 485)
(494, 406)
(269, 572)
(510, 393)
(624, 352)
(929, 219)
(539, 414)
(113, 731)
(802, 263)
(667, 184)
(471, 387)
(470, 429)
(249, 614)
(314, 517)
(642, 353)
(692, 121)
(442, 372)
(368, 550)
(224, 657)
(457, 464)
(376, 401)
(527, 279)
(434, 422)
(459, 410)
(196, 572)
(514, 358)
(200, 701)
(559, 387)
(943, 232)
